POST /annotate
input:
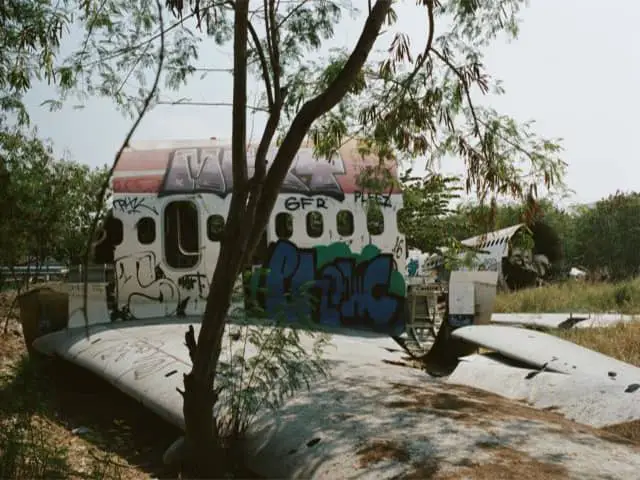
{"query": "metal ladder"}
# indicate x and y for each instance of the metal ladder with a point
(425, 315)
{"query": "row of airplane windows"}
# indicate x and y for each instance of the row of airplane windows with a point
(284, 225)
(181, 220)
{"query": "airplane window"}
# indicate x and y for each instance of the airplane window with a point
(344, 220)
(181, 240)
(115, 230)
(146, 230)
(375, 220)
(315, 224)
(215, 228)
(107, 238)
(284, 225)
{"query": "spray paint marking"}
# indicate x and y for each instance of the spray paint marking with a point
(209, 170)
(332, 285)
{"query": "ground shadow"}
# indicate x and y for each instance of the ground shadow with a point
(77, 399)
(414, 420)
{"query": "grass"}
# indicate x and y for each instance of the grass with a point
(621, 341)
(574, 296)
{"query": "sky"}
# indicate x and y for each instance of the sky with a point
(574, 69)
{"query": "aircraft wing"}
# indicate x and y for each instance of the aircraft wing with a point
(146, 359)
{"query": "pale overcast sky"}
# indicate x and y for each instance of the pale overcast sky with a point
(575, 69)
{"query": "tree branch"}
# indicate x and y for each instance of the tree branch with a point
(298, 7)
(210, 104)
(105, 184)
(404, 85)
(427, 48)
(465, 86)
(273, 44)
(263, 64)
(212, 328)
(239, 112)
(313, 109)
(257, 181)
(154, 37)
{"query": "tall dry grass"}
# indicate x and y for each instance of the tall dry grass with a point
(621, 341)
(573, 297)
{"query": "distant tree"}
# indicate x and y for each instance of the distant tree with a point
(426, 204)
(551, 227)
(47, 202)
(606, 236)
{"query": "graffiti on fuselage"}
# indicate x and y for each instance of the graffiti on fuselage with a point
(144, 280)
(333, 286)
(209, 170)
(141, 281)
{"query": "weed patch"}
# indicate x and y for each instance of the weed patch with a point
(573, 296)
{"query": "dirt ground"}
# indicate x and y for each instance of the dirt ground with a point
(98, 431)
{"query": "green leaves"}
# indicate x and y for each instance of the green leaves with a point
(605, 236)
(423, 217)
(29, 41)
(264, 362)
(429, 113)
(48, 201)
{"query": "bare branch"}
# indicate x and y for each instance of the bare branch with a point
(275, 33)
(313, 109)
(105, 185)
(427, 48)
(465, 86)
(210, 104)
(274, 48)
(263, 64)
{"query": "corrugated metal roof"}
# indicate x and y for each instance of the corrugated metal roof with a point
(490, 236)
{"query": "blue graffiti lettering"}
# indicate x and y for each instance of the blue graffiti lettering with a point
(348, 291)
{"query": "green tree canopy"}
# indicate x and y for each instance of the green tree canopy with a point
(45, 201)
(29, 41)
(606, 236)
(425, 216)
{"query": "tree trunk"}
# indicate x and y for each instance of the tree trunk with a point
(249, 212)
(205, 457)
